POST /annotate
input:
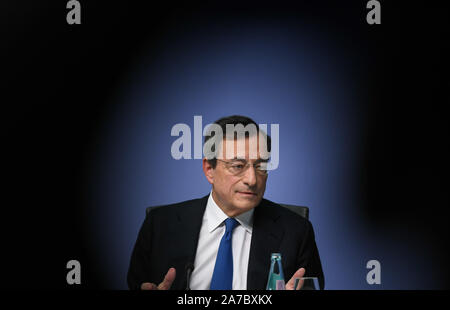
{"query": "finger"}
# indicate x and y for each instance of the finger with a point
(148, 286)
(168, 280)
(297, 275)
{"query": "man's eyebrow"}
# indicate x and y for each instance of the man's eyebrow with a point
(238, 159)
(258, 161)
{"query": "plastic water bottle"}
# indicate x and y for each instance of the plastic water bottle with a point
(276, 276)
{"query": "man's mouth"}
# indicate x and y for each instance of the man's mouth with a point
(249, 194)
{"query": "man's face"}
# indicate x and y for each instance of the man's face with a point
(236, 192)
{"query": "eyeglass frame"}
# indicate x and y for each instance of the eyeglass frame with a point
(246, 166)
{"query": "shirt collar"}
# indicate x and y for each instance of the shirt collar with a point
(215, 216)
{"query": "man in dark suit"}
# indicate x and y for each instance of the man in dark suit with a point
(225, 238)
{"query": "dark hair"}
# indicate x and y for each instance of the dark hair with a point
(234, 120)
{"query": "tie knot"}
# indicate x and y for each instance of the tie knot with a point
(230, 224)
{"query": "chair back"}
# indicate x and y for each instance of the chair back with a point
(301, 210)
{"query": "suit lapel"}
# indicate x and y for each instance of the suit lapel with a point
(266, 239)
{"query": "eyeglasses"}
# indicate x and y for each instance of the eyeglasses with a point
(238, 167)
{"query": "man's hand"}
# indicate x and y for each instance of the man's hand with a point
(297, 275)
(164, 285)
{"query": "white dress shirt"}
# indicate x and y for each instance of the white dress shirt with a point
(211, 232)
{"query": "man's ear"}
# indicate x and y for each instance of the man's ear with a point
(208, 170)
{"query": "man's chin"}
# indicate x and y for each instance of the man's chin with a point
(248, 202)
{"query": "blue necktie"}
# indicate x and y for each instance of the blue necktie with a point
(222, 278)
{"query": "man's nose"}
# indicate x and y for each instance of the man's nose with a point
(249, 177)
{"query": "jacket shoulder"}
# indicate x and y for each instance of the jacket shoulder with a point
(163, 210)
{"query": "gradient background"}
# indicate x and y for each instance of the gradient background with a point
(363, 136)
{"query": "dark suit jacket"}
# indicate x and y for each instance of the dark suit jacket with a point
(169, 237)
